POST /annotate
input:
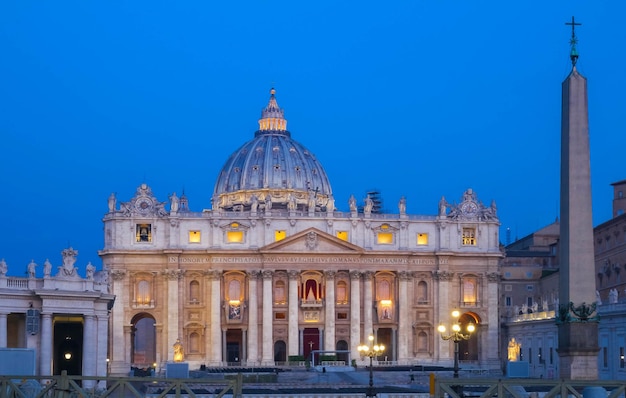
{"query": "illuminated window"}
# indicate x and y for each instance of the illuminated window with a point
(142, 296)
(422, 239)
(469, 290)
(469, 236)
(385, 238)
(234, 236)
(280, 235)
(343, 235)
(194, 236)
(342, 292)
(144, 233)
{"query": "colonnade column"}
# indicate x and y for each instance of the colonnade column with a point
(89, 349)
(45, 356)
(294, 342)
(355, 313)
(216, 324)
(368, 321)
(329, 319)
(253, 319)
(102, 322)
(268, 339)
(3, 330)
(404, 327)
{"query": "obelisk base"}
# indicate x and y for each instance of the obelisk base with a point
(578, 350)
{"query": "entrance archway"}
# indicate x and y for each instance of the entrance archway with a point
(280, 352)
(468, 349)
(143, 340)
(311, 341)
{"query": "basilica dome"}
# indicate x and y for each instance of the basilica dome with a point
(272, 171)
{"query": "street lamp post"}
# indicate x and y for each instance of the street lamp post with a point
(371, 350)
(456, 335)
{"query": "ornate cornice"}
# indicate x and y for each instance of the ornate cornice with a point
(443, 275)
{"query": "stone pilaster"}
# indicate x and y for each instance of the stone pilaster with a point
(119, 345)
(294, 347)
(443, 307)
(329, 319)
(215, 358)
(404, 318)
(174, 329)
(268, 336)
(253, 318)
(368, 303)
(355, 313)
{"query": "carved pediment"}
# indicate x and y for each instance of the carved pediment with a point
(312, 240)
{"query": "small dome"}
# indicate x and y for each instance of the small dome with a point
(273, 164)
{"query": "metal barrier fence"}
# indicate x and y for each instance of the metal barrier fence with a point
(524, 388)
(64, 386)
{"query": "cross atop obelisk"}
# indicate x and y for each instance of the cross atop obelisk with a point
(573, 41)
(576, 317)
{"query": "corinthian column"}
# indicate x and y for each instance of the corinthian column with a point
(294, 347)
(90, 339)
(404, 322)
(329, 319)
(173, 306)
(355, 313)
(216, 324)
(253, 319)
(268, 339)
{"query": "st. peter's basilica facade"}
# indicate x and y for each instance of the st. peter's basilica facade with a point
(273, 270)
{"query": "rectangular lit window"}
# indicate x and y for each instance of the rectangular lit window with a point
(234, 236)
(385, 238)
(280, 235)
(144, 233)
(469, 236)
(194, 236)
(422, 239)
(343, 235)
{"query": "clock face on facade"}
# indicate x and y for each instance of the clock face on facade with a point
(469, 208)
(143, 205)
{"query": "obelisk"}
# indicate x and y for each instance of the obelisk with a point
(576, 318)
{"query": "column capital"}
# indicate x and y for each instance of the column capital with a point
(213, 274)
(330, 275)
(293, 275)
(117, 274)
(368, 275)
(355, 275)
(173, 274)
(405, 275)
(443, 275)
(267, 274)
(253, 274)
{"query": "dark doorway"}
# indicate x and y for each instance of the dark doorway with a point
(68, 348)
(468, 349)
(233, 346)
(280, 352)
(311, 340)
(342, 356)
(384, 338)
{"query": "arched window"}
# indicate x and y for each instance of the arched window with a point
(384, 290)
(280, 296)
(234, 290)
(310, 290)
(280, 351)
(194, 343)
(422, 292)
(194, 291)
(422, 341)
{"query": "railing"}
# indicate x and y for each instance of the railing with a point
(64, 386)
(520, 388)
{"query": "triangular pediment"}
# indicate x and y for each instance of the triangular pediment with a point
(312, 240)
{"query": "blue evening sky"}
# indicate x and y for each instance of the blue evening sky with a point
(414, 98)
